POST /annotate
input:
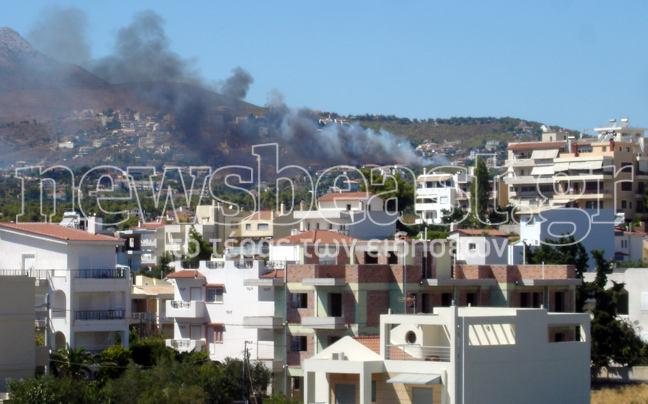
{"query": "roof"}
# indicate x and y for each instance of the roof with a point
(370, 341)
(535, 145)
(151, 225)
(273, 274)
(316, 237)
(347, 196)
(481, 232)
(59, 232)
(185, 274)
(261, 215)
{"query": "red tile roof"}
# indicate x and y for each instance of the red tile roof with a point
(185, 274)
(370, 341)
(59, 232)
(273, 274)
(316, 237)
(481, 232)
(535, 145)
(151, 225)
(346, 196)
(261, 215)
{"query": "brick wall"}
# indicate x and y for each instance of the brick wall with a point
(377, 304)
(513, 273)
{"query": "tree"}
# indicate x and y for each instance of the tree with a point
(392, 187)
(199, 249)
(480, 191)
(162, 269)
(74, 363)
(613, 340)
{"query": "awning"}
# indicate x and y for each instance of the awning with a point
(544, 154)
(561, 167)
(586, 165)
(413, 378)
(542, 170)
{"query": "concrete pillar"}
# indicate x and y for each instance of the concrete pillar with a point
(365, 387)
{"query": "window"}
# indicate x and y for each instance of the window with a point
(531, 299)
(604, 148)
(214, 294)
(373, 391)
(371, 257)
(215, 334)
(622, 303)
(560, 302)
(472, 246)
(471, 299)
(299, 343)
(263, 226)
(317, 225)
(248, 227)
(443, 199)
(626, 186)
(348, 206)
(627, 149)
(410, 337)
(330, 226)
(392, 259)
(446, 299)
(624, 204)
(335, 305)
(300, 300)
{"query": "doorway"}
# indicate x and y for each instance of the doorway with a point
(345, 393)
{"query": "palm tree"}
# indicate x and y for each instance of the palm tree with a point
(72, 362)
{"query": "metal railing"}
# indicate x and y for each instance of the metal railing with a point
(190, 264)
(180, 304)
(275, 264)
(243, 264)
(417, 352)
(327, 262)
(99, 314)
(33, 273)
(180, 343)
(117, 273)
(144, 315)
(215, 264)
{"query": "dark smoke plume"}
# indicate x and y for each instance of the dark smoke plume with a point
(61, 34)
(142, 54)
(238, 85)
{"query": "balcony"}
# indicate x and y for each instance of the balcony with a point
(409, 352)
(185, 309)
(186, 345)
(263, 322)
(215, 264)
(243, 264)
(117, 273)
(324, 282)
(91, 315)
(324, 323)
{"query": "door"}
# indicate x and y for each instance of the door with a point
(28, 262)
(194, 332)
(345, 393)
(335, 304)
(421, 395)
(196, 294)
(214, 338)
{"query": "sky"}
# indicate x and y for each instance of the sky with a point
(574, 64)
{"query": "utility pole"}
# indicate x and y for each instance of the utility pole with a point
(244, 399)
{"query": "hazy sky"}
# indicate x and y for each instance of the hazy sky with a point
(569, 63)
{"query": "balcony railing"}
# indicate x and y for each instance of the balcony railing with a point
(99, 314)
(190, 264)
(180, 304)
(215, 264)
(117, 273)
(243, 264)
(33, 273)
(417, 352)
(275, 264)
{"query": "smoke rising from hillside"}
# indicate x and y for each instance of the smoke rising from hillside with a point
(238, 85)
(61, 34)
(342, 144)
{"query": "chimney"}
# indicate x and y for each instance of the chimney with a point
(575, 149)
(282, 208)
(94, 224)
(611, 145)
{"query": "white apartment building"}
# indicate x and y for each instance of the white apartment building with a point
(225, 306)
(436, 192)
(480, 247)
(608, 171)
(458, 355)
(358, 214)
(82, 293)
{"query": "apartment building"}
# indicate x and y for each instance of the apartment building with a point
(226, 306)
(148, 305)
(436, 192)
(458, 355)
(361, 215)
(81, 293)
(608, 171)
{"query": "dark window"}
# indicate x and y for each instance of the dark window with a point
(622, 303)
(624, 204)
(392, 258)
(626, 186)
(471, 299)
(335, 304)
(371, 257)
(446, 299)
(560, 301)
(530, 299)
(426, 303)
(559, 337)
(537, 300)
(299, 343)
(332, 339)
(300, 300)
